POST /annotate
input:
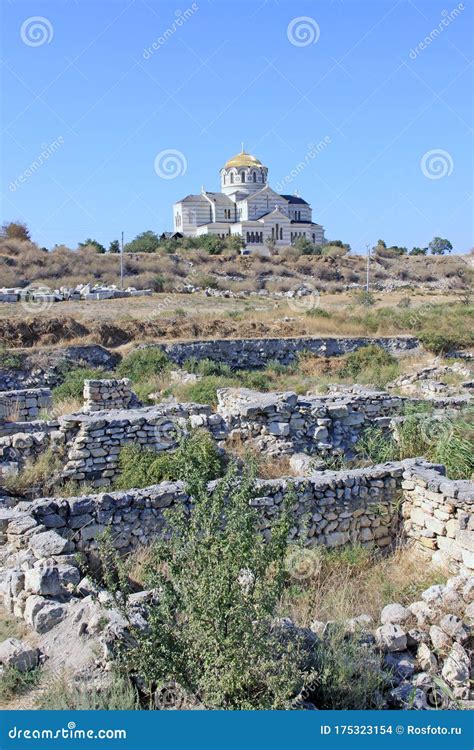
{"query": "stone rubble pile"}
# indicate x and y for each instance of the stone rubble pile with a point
(428, 647)
(430, 381)
(44, 295)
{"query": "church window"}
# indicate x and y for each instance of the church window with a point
(255, 177)
(242, 176)
(273, 233)
(232, 177)
(248, 237)
(281, 233)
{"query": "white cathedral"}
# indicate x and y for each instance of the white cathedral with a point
(247, 206)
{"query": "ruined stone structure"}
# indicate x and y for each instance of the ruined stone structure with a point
(107, 394)
(24, 404)
(371, 507)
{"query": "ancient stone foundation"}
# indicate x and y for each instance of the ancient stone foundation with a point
(107, 394)
(373, 507)
(257, 353)
(24, 404)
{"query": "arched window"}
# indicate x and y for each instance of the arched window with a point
(281, 233)
(232, 177)
(242, 177)
(255, 177)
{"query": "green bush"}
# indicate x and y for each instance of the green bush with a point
(72, 386)
(206, 367)
(62, 695)
(446, 441)
(209, 632)
(370, 364)
(205, 390)
(318, 312)
(13, 682)
(141, 467)
(142, 364)
(10, 360)
(442, 343)
(255, 380)
(349, 673)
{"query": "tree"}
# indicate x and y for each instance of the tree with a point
(418, 251)
(146, 242)
(306, 247)
(210, 632)
(114, 246)
(213, 244)
(15, 230)
(381, 243)
(93, 243)
(440, 246)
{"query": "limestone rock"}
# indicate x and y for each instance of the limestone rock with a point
(456, 667)
(391, 637)
(18, 654)
(396, 614)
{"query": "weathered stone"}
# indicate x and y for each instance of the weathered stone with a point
(396, 614)
(391, 637)
(457, 666)
(18, 654)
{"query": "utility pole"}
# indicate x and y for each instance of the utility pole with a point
(121, 263)
(368, 268)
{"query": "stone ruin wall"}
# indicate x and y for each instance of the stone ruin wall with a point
(373, 507)
(107, 394)
(89, 442)
(257, 353)
(23, 404)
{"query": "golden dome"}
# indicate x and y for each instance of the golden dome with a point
(243, 160)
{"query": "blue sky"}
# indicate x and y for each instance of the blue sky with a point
(395, 119)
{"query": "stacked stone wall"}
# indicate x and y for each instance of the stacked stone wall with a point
(372, 507)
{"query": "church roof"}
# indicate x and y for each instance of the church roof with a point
(294, 199)
(243, 160)
(219, 198)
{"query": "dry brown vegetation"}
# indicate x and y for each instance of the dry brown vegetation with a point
(23, 263)
(345, 583)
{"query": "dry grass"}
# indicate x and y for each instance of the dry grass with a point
(10, 627)
(354, 581)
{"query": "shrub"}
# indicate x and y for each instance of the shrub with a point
(14, 682)
(349, 673)
(442, 343)
(72, 386)
(10, 360)
(370, 358)
(141, 467)
(318, 312)
(206, 367)
(209, 632)
(62, 695)
(205, 390)
(143, 363)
